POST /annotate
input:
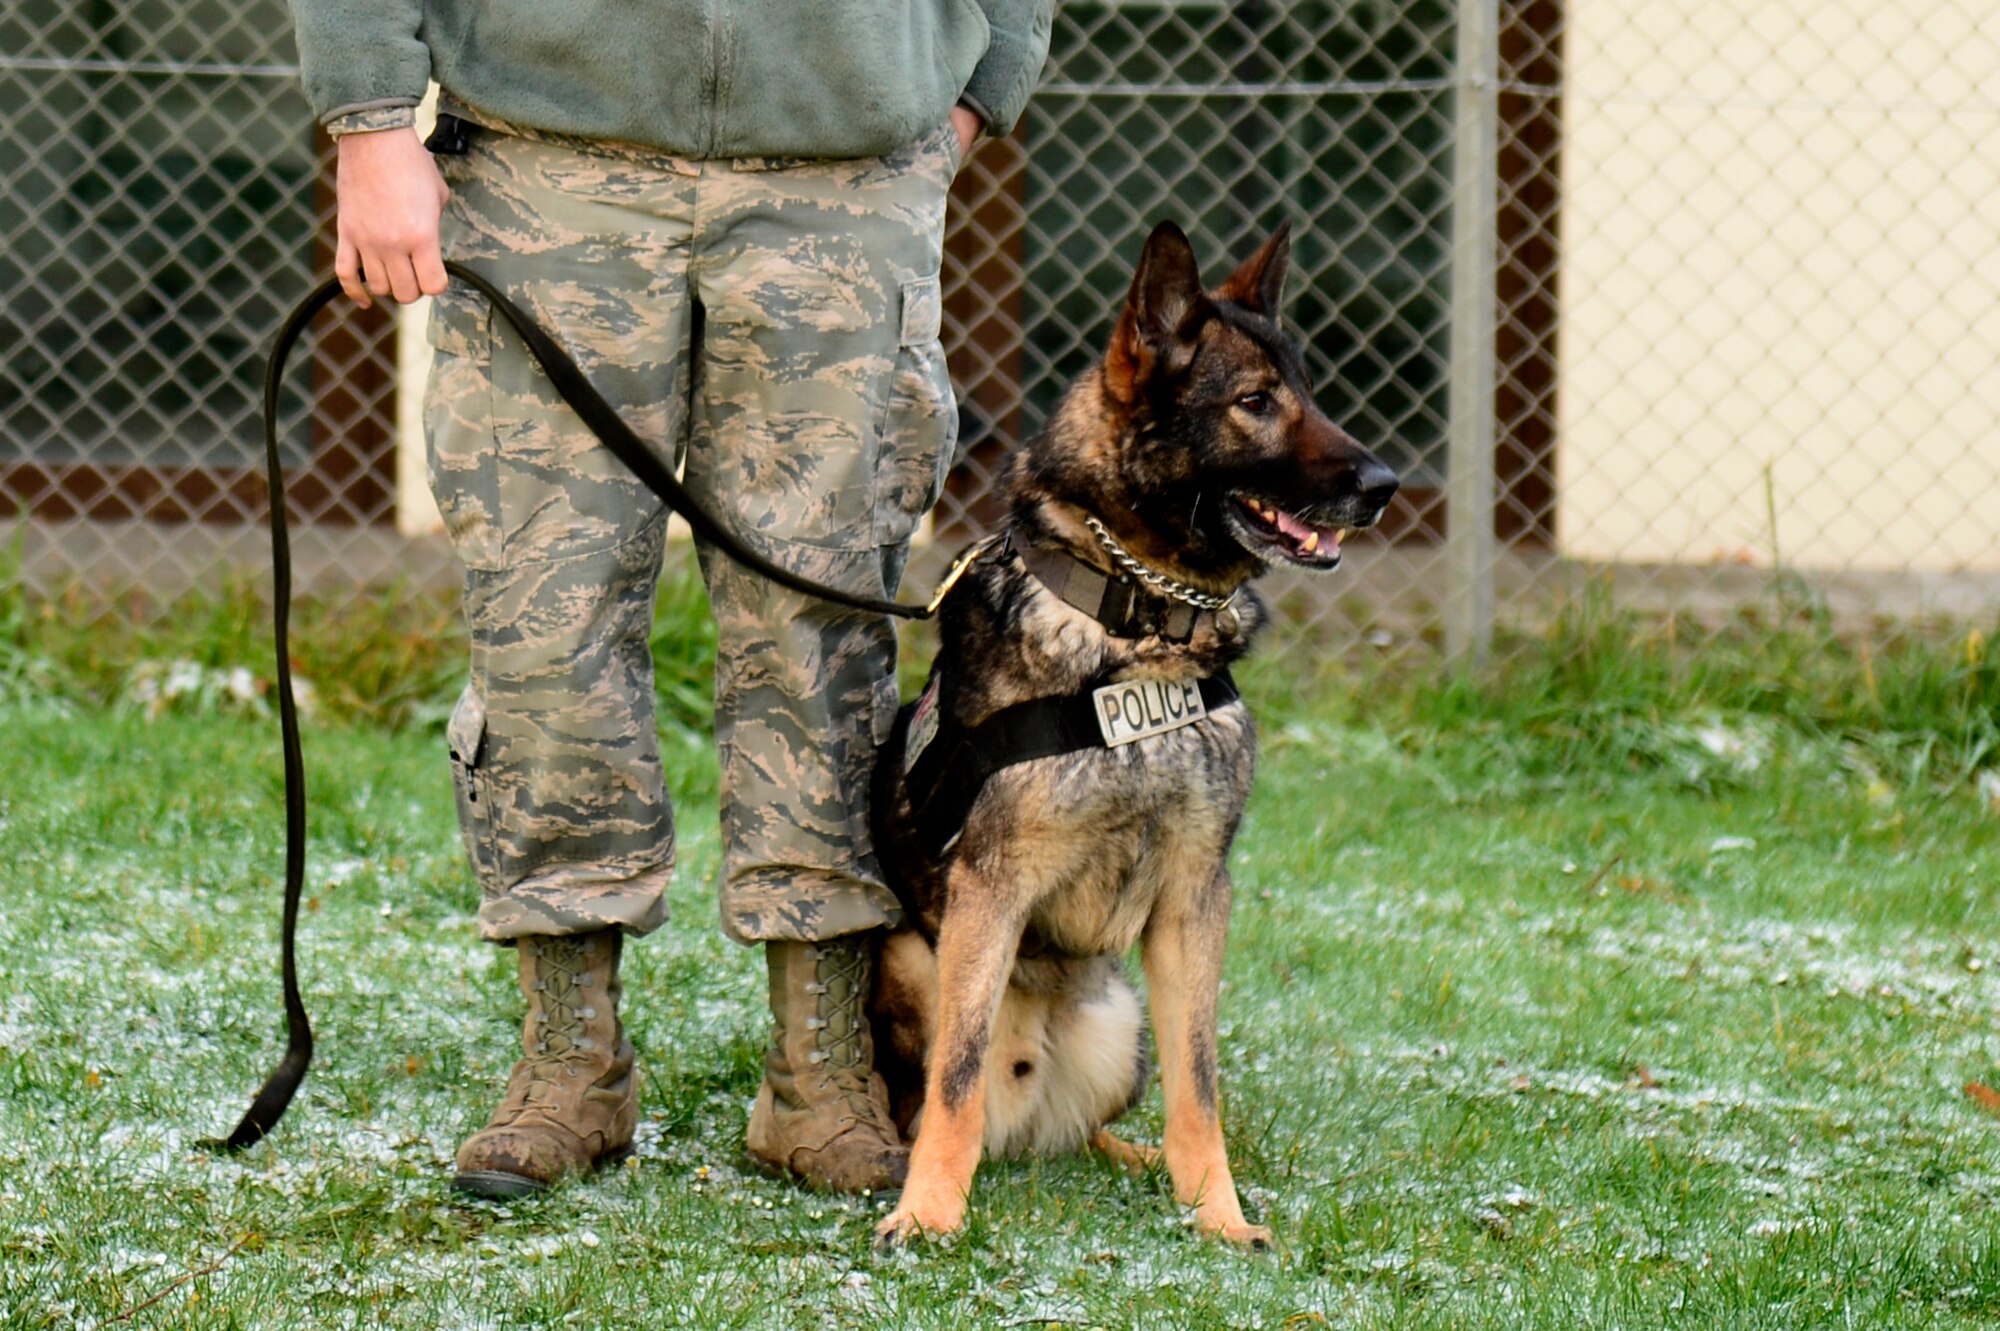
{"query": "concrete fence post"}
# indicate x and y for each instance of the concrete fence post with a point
(1469, 539)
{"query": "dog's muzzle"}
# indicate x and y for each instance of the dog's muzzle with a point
(1280, 530)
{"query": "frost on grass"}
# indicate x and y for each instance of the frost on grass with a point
(1742, 746)
(1826, 957)
(158, 687)
(1409, 1051)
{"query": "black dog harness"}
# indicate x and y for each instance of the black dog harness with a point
(946, 772)
(946, 764)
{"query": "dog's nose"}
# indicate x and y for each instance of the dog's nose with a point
(1376, 484)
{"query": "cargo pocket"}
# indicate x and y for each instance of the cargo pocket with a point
(466, 736)
(919, 427)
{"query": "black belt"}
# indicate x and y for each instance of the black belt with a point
(958, 761)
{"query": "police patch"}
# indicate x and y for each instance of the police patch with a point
(1141, 707)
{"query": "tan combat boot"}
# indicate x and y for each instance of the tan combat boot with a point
(573, 1101)
(822, 1113)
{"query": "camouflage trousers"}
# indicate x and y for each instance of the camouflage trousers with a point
(772, 326)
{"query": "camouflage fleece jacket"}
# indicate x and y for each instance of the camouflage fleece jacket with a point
(695, 78)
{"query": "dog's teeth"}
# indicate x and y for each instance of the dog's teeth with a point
(1312, 541)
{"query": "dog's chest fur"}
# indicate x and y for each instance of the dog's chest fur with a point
(1131, 822)
(1088, 840)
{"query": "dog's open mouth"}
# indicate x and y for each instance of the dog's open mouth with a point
(1265, 529)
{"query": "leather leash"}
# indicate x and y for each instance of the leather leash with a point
(575, 388)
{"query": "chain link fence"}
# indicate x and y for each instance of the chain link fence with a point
(1678, 298)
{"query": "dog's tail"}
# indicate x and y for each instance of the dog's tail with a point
(1064, 1064)
(1067, 1057)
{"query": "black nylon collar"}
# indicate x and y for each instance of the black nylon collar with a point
(1124, 607)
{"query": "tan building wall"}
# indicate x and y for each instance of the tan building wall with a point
(416, 511)
(1781, 257)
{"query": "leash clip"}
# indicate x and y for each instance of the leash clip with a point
(959, 566)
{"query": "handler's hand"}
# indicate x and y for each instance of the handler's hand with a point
(389, 197)
(968, 124)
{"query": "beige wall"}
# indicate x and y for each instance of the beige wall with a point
(416, 511)
(1781, 250)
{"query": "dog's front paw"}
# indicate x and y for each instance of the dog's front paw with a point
(908, 1222)
(898, 1230)
(1257, 1238)
(1231, 1227)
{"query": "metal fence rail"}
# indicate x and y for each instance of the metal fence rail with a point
(1667, 296)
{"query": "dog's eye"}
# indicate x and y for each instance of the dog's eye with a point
(1255, 403)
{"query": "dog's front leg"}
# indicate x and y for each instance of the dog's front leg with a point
(977, 940)
(1183, 954)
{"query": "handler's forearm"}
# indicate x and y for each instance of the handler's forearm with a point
(1006, 75)
(360, 55)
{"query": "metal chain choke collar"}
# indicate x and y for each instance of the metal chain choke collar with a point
(1159, 582)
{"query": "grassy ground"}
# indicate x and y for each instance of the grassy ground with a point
(1618, 990)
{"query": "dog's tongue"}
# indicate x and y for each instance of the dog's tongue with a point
(1291, 526)
(1299, 532)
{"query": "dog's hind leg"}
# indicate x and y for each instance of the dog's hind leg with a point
(977, 940)
(903, 1009)
(1131, 1157)
(1183, 954)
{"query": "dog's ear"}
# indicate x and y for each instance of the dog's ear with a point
(1259, 285)
(1163, 310)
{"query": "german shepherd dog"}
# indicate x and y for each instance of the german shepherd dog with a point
(1190, 459)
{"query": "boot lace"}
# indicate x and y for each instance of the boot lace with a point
(560, 1044)
(840, 981)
